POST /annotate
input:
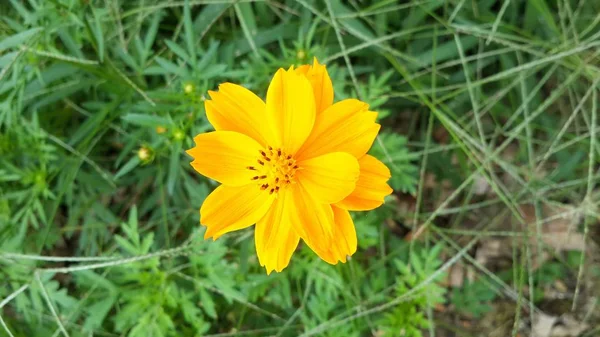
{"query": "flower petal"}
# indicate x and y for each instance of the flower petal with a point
(235, 108)
(371, 187)
(224, 156)
(311, 220)
(229, 209)
(321, 84)
(329, 178)
(347, 126)
(344, 240)
(274, 238)
(290, 109)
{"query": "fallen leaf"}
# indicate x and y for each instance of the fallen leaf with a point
(542, 327)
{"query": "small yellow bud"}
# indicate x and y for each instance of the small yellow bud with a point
(178, 135)
(301, 54)
(160, 129)
(188, 88)
(143, 153)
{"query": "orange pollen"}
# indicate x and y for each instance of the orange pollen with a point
(276, 170)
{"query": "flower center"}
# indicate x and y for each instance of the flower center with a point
(275, 169)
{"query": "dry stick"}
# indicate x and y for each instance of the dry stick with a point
(154, 8)
(246, 30)
(474, 104)
(103, 173)
(360, 36)
(542, 60)
(174, 251)
(14, 59)
(455, 11)
(588, 195)
(298, 311)
(497, 22)
(80, 302)
(530, 155)
(5, 327)
(116, 11)
(373, 42)
(13, 295)
(566, 126)
(428, 137)
(58, 56)
(365, 13)
(133, 85)
(49, 303)
(262, 332)
(342, 46)
(76, 326)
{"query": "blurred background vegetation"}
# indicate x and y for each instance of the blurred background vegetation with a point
(489, 112)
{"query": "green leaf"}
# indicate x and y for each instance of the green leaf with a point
(146, 120)
(151, 33)
(209, 14)
(18, 39)
(126, 245)
(69, 42)
(174, 167)
(97, 312)
(98, 35)
(188, 29)
(130, 165)
(207, 303)
(171, 67)
(175, 48)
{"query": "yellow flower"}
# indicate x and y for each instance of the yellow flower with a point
(293, 165)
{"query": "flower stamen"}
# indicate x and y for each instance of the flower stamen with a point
(276, 170)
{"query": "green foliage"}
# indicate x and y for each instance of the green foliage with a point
(473, 298)
(419, 281)
(393, 149)
(100, 99)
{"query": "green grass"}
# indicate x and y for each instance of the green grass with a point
(489, 112)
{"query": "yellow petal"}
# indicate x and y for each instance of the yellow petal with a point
(310, 219)
(371, 187)
(344, 240)
(224, 156)
(290, 109)
(303, 69)
(321, 84)
(347, 126)
(235, 108)
(274, 238)
(329, 178)
(229, 209)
